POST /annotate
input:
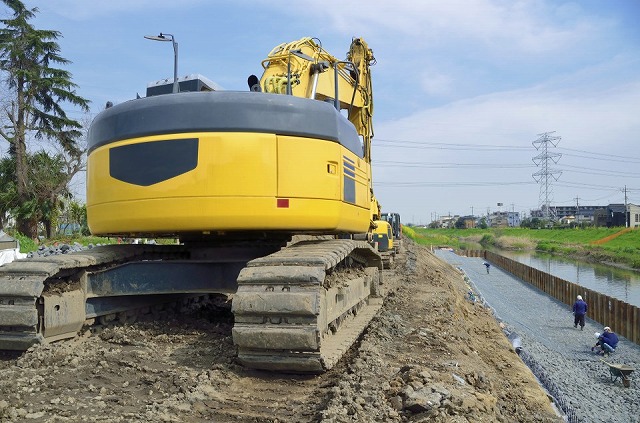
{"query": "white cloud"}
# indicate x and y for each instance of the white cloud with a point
(456, 71)
(591, 117)
(517, 26)
(79, 10)
(435, 84)
(587, 114)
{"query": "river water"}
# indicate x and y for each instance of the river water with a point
(618, 283)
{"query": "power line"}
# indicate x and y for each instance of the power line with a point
(447, 184)
(444, 165)
(599, 154)
(389, 163)
(445, 146)
(387, 143)
(612, 173)
(632, 160)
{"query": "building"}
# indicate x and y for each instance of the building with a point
(469, 222)
(624, 215)
(504, 219)
(580, 213)
(600, 217)
(633, 215)
(513, 219)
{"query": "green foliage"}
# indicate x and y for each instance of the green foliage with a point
(488, 240)
(431, 237)
(80, 239)
(78, 216)
(409, 232)
(576, 242)
(34, 103)
(8, 194)
(26, 244)
(546, 246)
(46, 186)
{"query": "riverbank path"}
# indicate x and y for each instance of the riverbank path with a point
(561, 354)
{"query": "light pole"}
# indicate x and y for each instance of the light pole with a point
(163, 37)
(297, 53)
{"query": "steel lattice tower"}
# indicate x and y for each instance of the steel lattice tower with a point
(546, 173)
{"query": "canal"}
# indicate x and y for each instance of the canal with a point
(618, 283)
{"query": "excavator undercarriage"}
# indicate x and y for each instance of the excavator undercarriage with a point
(296, 309)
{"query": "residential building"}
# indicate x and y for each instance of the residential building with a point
(619, 215)
(504, 219)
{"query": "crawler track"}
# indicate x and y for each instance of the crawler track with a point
(301, 308)
(43, 299)
(298, 309)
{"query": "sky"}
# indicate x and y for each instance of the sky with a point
(463, 90)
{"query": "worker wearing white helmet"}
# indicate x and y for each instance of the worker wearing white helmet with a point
(608, 341)
(579, 310)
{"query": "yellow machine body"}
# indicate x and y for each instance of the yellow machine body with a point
(383, 235)
(243, 182)
(220, 161)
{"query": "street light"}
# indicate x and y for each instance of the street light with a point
(297, 53)
(163, 37)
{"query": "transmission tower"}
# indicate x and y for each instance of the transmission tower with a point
(546, 172)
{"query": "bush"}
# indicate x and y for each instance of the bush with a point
(546, 246)
(26, 243)
(487, 240)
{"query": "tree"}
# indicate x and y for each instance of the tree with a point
(78, 214)
(8, 194)
(48, 184)
(37, 91)
(46, 187)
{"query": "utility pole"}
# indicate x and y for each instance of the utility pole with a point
(577, 209)
(544, 175)
(626, 221)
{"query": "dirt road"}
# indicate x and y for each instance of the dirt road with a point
(430, 355)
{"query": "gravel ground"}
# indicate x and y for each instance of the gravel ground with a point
(423, 358)
(559, 354)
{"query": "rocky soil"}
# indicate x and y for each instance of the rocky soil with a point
(429, 355)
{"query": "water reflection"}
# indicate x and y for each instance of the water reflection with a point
(619, 283)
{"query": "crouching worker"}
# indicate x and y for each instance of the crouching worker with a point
(607, 341)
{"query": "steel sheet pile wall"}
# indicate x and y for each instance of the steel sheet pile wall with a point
(623, 317)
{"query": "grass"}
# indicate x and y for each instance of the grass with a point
(27, 244)
(577, 243)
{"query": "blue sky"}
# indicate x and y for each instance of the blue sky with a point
(461, 88)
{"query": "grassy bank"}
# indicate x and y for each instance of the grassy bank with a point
(604, 245)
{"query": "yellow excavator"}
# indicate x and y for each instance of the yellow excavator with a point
(234, 176)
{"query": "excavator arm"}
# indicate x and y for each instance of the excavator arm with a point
(304, 69)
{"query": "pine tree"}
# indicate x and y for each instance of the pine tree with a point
(37, 91)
